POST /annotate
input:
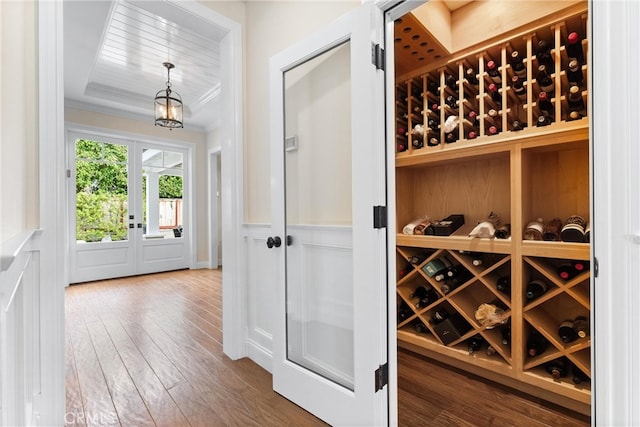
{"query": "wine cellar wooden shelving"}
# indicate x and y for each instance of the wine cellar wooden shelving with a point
(508, 164)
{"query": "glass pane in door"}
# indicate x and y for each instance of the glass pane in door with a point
(101, 191)
(319, 282)
(162, 191)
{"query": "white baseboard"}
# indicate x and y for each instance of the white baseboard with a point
(261, 355)
(202, 264)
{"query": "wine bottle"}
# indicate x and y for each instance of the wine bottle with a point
(518, 125)
(401, 147)
(475, 343)
(552, 229)
(518, 88)
(422, 226)
(451, 137)
(566, 332)
(490, 350)
(545, 106)
(432, 124)
(404, 312)
(435, 106)
(476, 258)
(473, 118)
(543, 121)
(493, 130)
(575, 101)
(419, 292)
(558, 368)
(545, 82)
(452, 283)
(430, 298)
(579, 266)
(581, 326)
(432, 87)
(579, 376)
(493, 72)
(574, 73)
(472, 134)
(421, 328)
(566, 271)
(518, 65)
(505, 331)
(471, 76)
(536, 344)
(573, 115)
(574, 48)
(406, 270)
(504, 285)
(543, 54)
(533, 230)
(437, 266)
(503, 231)
(450, 81)
(417, 258)
(535, 289)
(433, 140)
(494, 93)
(402, 131)
(439, 316)
(451, 101)
(573, 229)
(417, 142)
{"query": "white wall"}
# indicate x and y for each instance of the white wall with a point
(94, 119)
(270, 28)
(18, 145)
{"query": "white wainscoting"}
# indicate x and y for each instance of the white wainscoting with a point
(260, 265)
(329, 247)
(20, 365)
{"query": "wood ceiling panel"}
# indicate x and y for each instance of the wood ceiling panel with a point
(414, 46)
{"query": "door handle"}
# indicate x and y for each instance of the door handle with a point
(274, 241)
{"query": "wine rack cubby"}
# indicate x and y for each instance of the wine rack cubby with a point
(468, 142)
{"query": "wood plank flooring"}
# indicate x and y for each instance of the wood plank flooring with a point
(147, 351)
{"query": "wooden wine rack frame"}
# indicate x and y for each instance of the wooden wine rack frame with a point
(521, 175)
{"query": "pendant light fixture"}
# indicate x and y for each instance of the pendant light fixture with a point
(168, 104)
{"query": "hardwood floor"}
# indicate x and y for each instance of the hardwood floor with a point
(147, 350)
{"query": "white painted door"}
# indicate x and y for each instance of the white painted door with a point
(327, 135)
(129, 207)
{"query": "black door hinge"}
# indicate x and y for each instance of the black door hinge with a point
(382, 376)
(379, 216)
(377, 56)
(596, 267)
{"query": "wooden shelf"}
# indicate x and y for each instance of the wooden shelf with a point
(520, 175)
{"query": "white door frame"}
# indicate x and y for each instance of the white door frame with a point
(53, 214)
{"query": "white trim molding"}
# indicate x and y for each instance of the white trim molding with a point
(49, 403)
(615, 101)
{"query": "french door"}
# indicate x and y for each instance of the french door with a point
(328, 179)
(129, 207)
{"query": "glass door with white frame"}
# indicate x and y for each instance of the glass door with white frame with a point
(102, 235)
(163, 208)
(130, 207)
(327, 176)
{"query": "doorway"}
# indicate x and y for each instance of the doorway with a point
(130, 207)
